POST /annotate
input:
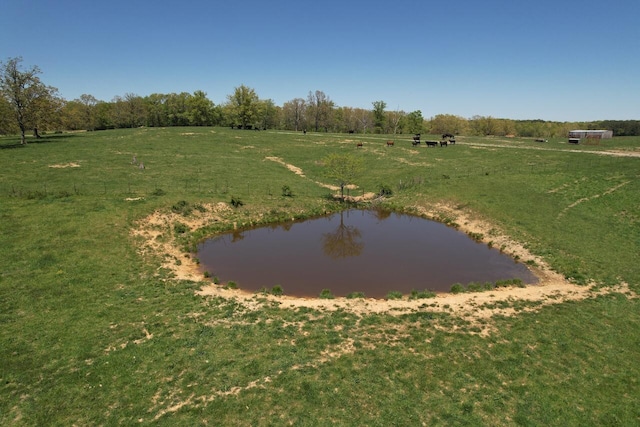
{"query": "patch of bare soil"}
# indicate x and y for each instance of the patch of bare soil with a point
(157, 238)
(65, 165)
(156, 233)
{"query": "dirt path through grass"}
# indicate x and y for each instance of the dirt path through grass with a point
(613, 153)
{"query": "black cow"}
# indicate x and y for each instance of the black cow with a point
(432, 143)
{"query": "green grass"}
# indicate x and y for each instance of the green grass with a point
(94, 333)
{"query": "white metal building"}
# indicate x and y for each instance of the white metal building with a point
(599, 134)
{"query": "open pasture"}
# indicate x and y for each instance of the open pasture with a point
(97, 331)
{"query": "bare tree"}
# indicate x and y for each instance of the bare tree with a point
(319, 107)
(394, 118)
(294, 113)
(365, 118)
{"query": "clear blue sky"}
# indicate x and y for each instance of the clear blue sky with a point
(561, 60)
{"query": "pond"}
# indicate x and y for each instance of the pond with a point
(368, 251)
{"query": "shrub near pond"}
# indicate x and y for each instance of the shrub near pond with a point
(421, 294)
(182, 207)
(394, 295)
(354, 295)
(326, 294)
(486, 286)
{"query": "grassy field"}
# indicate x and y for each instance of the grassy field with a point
(93, 332)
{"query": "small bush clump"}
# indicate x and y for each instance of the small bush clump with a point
(277, 290)
(421, 294)
(354, 295)
(236, 202)
(286, 191)
(476, 236)
(182, 207)
(180, 228)
(457, 288)
(326, 294)
(394, 295)
(384, 190)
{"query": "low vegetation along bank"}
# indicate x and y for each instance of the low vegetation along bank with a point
(107, 318)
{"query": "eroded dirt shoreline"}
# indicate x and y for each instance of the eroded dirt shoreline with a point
(158, 240)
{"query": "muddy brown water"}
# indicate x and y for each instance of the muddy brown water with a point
(367, 251)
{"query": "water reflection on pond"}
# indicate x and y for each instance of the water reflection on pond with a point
(367, 251)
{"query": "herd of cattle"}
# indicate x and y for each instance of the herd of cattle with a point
(447, 139)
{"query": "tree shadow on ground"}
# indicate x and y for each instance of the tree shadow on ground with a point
(14, 141)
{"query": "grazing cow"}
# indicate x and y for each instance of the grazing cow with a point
(389, 143)
(447, 136)
(443, 143)
(416, 139)
(452, 141)
(359, 145)
(432, 143)
(541, 140)
(351, 131)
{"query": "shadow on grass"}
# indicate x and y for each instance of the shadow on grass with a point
(9, 142)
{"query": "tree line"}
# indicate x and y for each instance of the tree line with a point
(28, 105)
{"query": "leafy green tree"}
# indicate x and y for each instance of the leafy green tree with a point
(156, 105)
(346, 118)
(88, 103)
(28, 97)
(79, 113)
(71, 115)
(177, 109)
(415, 122)
(7, 124)
(129, 111)
(343, 169)
(379, 116)
(267, 113)
(448, 123)
(104, 115)
(242, 106)
(200, 110)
